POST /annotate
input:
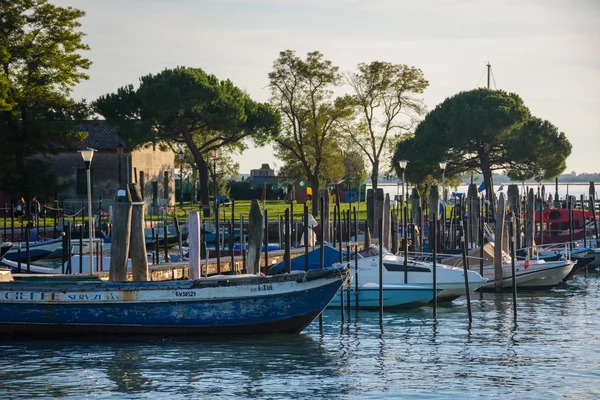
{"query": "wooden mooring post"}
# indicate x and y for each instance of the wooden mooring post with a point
(592, 192)
(120, 235)
(194, 241)
(137, 240)
(255, 237)
(499, 238)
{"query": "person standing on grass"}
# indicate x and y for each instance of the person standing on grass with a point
(34, 210)
(20, 210)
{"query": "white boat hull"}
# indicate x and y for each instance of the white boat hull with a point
(451, 280)
(394, 296)
(539, 275)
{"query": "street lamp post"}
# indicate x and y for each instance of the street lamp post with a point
(443, 167)
(181, 155)
(120, 153)
(402, 164)
(87, 156)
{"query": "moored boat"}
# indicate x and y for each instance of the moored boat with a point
(233, 304)
(534, 273)
(37, 250)
(393, 296)
(450, 280)
(530, 274)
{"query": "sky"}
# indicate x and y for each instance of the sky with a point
(547, 51)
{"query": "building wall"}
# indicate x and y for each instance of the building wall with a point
(152, 164)
(105, 169)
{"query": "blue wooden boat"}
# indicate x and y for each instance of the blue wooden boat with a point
(394, 296)
(243, 304)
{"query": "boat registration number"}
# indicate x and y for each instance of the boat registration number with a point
(262, 288)
(185, 293)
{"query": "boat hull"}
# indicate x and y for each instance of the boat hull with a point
(214, 306)
(37, 250)
(394, 296)
(535, 277)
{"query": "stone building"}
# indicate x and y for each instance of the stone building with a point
(152, 168)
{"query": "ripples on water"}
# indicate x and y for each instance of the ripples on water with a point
(553, 352)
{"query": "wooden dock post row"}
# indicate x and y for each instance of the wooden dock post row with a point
(128, 235)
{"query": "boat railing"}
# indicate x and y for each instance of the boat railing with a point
(559, 248)
(427, 256)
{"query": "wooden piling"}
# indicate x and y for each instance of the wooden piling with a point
(542, 228)
(434, 205)
(266, 240)
(255, 237)
(243, 249)
(194, 241)
(584, 221)
(217, 237)
(513, 256)
(405, 244)
(416, 217)
(287, 243)
(367, 237)
(375, 199)
(137, 239)
(466, 268)
(529, 224)
(499, 237)
(380, 224)
(324, 216)
(514, 203)
(386, 222)
(394, 233)
(120, 235)
(306, 239)
(471, 205)
(592, 193)
(433, 245)
(356, 258)
(322, 246)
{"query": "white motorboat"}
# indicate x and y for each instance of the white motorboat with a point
(450, 279)
(530, 274)
(533, 273)
(393, 296)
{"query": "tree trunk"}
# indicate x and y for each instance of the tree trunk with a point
(375, 175)
(315, 185)
(202, 171)
(204, 185)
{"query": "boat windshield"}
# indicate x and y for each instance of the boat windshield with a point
(373, 252)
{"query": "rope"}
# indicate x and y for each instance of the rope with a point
(72, 215)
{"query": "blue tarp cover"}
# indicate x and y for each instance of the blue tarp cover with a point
(332, 256)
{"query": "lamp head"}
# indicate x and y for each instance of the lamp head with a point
(402, 163)
(120, 149)
(214, 153)
(180, 155)
(443, 165)
(87, 155)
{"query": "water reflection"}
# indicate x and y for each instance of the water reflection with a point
(553, 351)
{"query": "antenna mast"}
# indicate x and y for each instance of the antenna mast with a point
(489, 69)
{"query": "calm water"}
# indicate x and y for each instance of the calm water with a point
(554, 352)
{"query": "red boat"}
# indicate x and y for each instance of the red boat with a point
(556, 222)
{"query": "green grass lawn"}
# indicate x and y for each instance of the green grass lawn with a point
(275, 208)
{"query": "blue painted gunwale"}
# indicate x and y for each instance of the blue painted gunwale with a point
(227, 305)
